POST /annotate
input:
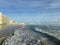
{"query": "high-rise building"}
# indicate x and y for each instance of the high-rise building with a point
(3, 19)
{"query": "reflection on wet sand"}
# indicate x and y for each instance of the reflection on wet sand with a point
(6, 31)
(2, 27)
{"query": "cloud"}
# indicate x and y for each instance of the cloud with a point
(21, 3)
(28, 5)
(54, 4)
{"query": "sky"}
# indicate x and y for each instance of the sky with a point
(32, 11)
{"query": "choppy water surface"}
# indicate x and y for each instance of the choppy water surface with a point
(26, 35)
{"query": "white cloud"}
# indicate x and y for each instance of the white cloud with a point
(55, 4)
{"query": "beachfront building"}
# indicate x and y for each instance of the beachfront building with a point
(3, 19)
(12, 22)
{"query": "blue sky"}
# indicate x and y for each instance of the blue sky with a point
(32, 11)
